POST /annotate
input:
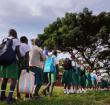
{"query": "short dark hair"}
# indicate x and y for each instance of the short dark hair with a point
(38, 42)
(13, 33)
(24, 39)
(55, 52)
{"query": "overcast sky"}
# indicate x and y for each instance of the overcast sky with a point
(29, 17)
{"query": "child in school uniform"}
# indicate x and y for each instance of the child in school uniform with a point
(88, 79)
(24, 60)
(83, 80)
(67, 75)
(10, 71)
(77, 77)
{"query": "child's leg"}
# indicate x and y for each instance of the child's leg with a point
(12, 88)
(37, 89)
(52, 81)
(51, 89)
(68, 90)
(3, 88)
(65, 88)
(48, 85)
(18, 93)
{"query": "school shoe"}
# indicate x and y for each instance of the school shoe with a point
(3, 98)
(37, 96)
(72, 91)
(18, 96)
(75, 91)
(44, 92)
(80, 91)
(49, 95)
(65, 91)
(10, 101)
(68, 91)
(84, 91)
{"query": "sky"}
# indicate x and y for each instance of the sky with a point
(29, 17)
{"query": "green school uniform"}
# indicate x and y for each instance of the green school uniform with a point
(105, 83)
(77, 76)
(10, 71)
(67, 77)
(88, 80)
(73, 76)
(83, 79)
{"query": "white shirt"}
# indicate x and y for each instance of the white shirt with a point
(24, 48)
(16, 43)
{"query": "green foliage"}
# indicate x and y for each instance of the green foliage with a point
(83, 32)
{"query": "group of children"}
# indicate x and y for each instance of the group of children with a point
(26, 58)
(78, 79)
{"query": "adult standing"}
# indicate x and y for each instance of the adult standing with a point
(36, 59)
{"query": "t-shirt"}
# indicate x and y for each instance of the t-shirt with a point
(24, 48)
(55, 59)
(35, 55)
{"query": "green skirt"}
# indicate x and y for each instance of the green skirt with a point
(67, 77)
(105, 84)
(83, 81)
(76, 79)
(88, 82)
(10, 71)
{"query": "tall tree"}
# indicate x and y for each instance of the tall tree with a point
(84, 32)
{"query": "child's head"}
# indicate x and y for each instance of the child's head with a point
(24, 39)
(13, 33)
(36, 42)
(55, 52)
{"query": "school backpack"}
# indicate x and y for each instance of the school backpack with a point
(49, 65)
(7, 55)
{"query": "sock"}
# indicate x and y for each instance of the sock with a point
(12, 87)
(3, 87)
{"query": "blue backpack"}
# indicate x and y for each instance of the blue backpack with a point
(49, 65)
(7, 55)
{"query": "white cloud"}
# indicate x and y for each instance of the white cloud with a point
(31, 16)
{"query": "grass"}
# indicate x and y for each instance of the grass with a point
(90, 98)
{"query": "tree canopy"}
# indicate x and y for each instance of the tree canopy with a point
(84, 32)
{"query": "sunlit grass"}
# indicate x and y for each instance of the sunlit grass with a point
(90, 98)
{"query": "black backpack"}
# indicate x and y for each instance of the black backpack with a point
(7, 54)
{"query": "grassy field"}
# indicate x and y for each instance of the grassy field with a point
(90, 98)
